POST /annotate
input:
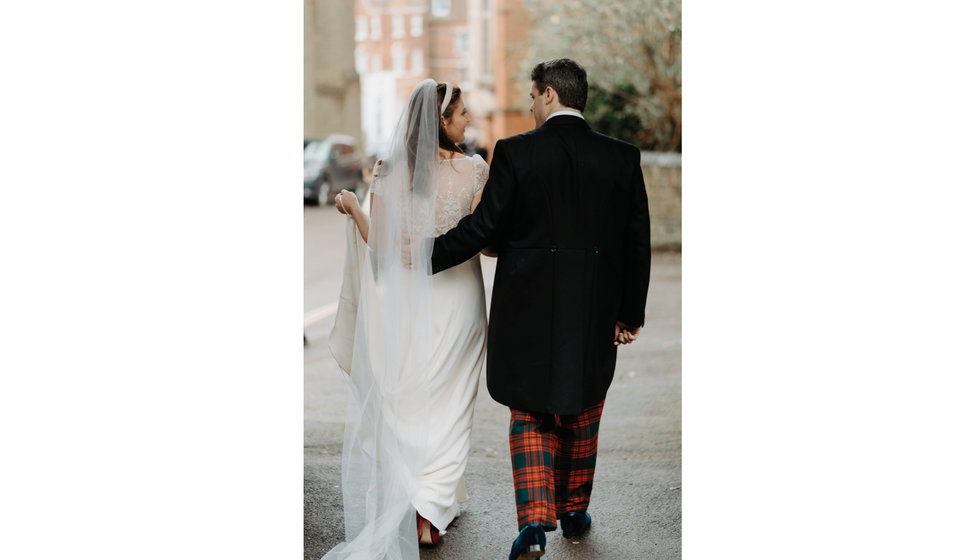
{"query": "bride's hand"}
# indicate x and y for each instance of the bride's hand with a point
(346, 202)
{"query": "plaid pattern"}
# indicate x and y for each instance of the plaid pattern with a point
(554, 461)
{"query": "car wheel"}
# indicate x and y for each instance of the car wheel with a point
(323, 194)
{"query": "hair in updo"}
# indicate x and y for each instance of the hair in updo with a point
(415, 105)
(444, 142)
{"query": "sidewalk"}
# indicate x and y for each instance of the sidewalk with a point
(636, 500)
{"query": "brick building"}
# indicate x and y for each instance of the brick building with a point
(398, 44)
(502, 91)
(475, 44)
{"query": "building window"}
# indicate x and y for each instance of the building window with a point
(375, 62)
(461, 42)
(398, 59)
(397, 26)
(441, 8)
(375, 27)
(418, 64)
(361, 32)
(416, 26)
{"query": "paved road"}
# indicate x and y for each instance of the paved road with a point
(636, 500)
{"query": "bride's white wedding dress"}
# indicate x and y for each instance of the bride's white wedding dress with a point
(459, 325)
(419, 348)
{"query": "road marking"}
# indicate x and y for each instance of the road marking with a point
(319, 314)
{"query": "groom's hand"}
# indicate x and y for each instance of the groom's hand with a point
(624, 334)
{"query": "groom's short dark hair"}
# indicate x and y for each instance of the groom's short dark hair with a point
(566, 77)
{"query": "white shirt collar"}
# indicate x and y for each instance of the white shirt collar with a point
(560, 113)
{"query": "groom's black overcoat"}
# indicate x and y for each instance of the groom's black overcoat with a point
(566, 209)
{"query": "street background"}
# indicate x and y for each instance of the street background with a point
(636, 500)
(152, 387)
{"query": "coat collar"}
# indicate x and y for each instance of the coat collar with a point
(566, 120)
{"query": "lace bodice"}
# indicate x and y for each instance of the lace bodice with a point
(460, 180)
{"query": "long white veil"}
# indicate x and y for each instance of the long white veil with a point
(387, 410)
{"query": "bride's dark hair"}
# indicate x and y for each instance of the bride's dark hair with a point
(412, 134)
(444, 142)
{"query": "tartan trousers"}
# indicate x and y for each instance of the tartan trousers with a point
(553, 457)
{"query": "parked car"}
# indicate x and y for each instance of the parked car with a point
(330, 165)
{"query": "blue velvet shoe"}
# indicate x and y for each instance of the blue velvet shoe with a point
(529, 544)
(574, 524)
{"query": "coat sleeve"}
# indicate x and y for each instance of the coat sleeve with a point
(636, 278)
(474, 232)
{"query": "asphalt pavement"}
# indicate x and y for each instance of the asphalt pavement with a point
(636, 499)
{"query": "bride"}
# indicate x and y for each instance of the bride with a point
(418, 340)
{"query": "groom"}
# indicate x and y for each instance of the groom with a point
(566, 209)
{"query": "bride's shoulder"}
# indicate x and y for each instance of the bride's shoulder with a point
(476, 162)
(448, 155)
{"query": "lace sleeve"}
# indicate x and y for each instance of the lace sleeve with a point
(481, 172)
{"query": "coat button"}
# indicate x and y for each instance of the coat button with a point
(595, 250)
(554, 249)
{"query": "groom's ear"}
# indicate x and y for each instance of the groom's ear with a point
(551, 96)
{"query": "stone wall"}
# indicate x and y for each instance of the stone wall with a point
(662, 176)
(331, 89)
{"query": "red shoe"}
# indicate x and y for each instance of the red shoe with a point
(428, 535)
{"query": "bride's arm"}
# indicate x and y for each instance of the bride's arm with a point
(347, 203)
(481, 174)
(476, 202)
